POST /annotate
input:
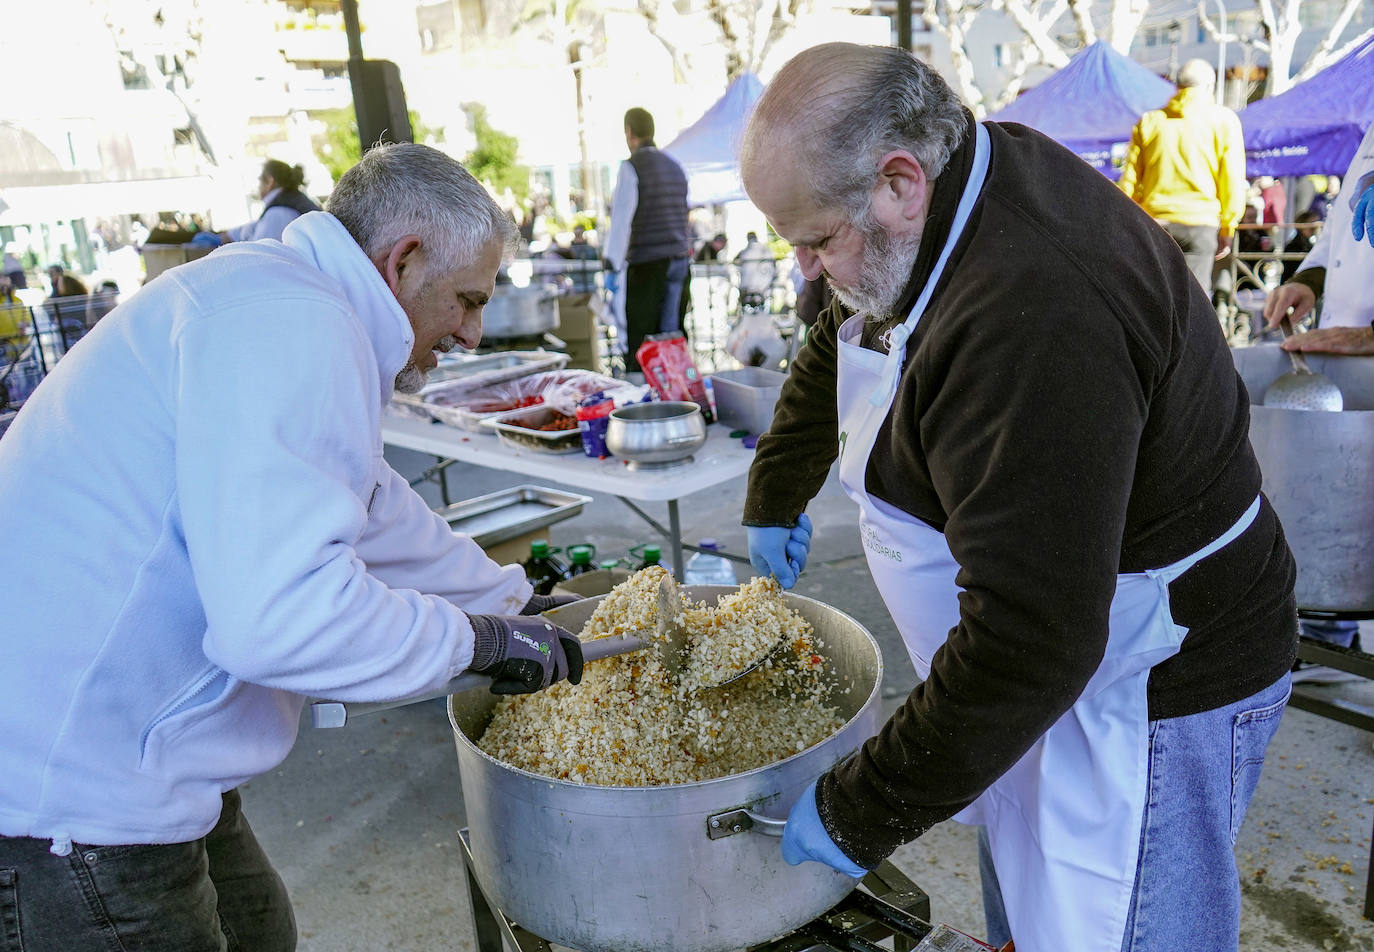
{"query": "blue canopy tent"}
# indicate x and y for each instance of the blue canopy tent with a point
(1091, 105)
(709, 148)
(1315, 127)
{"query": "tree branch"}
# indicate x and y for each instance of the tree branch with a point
(1323, 56)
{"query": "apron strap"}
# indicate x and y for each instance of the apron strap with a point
(1170, 572)
(898, 336)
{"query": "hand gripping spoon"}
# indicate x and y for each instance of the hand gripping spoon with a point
(1301, 388)
(670, 641)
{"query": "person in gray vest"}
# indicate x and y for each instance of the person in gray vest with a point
(279, 187)
(649, 244)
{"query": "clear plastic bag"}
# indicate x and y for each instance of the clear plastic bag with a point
(559, 389)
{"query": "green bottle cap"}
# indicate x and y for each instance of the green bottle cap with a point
(539, 548)
(610, 564)
(580, 554)
(652, 553)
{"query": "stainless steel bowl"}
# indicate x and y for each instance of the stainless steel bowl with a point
(652, 435)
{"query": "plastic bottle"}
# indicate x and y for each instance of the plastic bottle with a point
(580, 559)
(542, 569)
(708, 568)
(648, 555)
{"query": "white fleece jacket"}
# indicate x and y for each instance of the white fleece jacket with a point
(200, 531)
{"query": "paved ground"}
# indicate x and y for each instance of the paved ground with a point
(363, 821)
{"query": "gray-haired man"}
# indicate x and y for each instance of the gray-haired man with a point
(1040, 423)
(202, 532)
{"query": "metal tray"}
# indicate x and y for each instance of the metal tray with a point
(508, 429)
(501, 516)
(480, 370)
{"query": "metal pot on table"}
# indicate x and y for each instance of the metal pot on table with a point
(656, 435)
(1318, 472)
(520, 312)
(640, 869)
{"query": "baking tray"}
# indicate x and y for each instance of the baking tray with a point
(509, 431)
(456, 375)
(480, 370)
(501, 516)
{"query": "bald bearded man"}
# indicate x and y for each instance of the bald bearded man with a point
(1035, 411)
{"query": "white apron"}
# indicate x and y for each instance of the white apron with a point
(1064, 822)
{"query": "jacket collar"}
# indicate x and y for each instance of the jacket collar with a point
(322, 239)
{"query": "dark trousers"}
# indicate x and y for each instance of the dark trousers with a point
(1199, 246)
(655, 301)
(215, 894)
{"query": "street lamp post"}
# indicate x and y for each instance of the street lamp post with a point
(1221, 53)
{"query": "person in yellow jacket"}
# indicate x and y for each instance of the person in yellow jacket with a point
(1186, 168)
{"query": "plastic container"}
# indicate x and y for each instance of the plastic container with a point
(542, 569)
(580, 559)
(708, 568)
(745, 398)
(648, 554)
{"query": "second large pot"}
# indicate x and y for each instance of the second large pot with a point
(520, 312)
(642, 869)
(1318, 469)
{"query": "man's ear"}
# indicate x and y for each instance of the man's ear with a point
(404, 256)
(902, 192)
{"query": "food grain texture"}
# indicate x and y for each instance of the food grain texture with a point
(629, 724)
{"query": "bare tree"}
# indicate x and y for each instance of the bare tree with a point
(571, 26)
(1040, 24)
(1280, 27)
(747, 29)
(952, 19)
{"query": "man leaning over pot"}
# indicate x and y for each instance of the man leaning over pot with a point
(201, 532)
(1048, 445)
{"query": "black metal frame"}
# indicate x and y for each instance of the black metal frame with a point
(1306, 697)
(893, 907)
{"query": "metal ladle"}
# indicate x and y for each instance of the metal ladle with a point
(670, 641)
(1302, 388)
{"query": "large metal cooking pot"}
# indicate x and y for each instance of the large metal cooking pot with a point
(635, 869)
(520, 312)
(1319, 474)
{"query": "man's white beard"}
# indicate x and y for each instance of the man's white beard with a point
(411, 379)
(883, 273)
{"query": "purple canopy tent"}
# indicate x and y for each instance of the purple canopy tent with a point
(1315, 127)
(1091, 105)
(709, 148)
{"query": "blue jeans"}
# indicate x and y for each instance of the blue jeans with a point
(215, 894)
(1203, 769)
(1329, 630)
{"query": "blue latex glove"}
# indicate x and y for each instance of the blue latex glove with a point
(780, 551)
(206, 238)
(1362, 223)
(804, 838)
(611, 279)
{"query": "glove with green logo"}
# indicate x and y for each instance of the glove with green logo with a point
(523, 654)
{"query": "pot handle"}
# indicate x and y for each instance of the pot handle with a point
(742, 820)
(675, 440)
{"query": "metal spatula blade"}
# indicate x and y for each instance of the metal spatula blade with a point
(1302, 389)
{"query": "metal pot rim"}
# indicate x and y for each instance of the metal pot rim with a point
(658, 789)
(685, 408)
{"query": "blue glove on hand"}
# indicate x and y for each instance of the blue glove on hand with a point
(779, 551)
(1362, 223)
(804, 838)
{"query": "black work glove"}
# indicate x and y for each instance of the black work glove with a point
(523, 654)
(542, 603)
